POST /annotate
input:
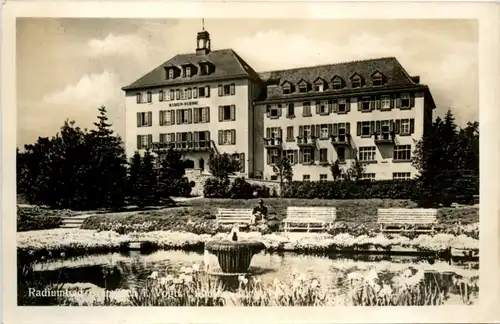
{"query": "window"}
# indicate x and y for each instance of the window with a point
(167, 117)
(321, 107)
(323, 177)
(188, 71)
(139, 97)
(290, 155)
(201, 115)
(356, 82)
(287, 89)
(405, 126)
(289, 133)
(172, 94)
(187, 93)
(405, 100)
(144, 119)
(401, 175)
(184, 116)
(160, 95)
(178, 94)
(307, 155)
(366, 104)
(201, 92)
(274, 177)
(378, 80)
(226, 137)
(324, 131)
(367, 153)
(166, 138)
(385, 102)
(170, 73)
(202, 138)
(307, 131)
(150, 98)
(226, 90)
(342, 105)
(385, 129)
(275, 132)
(341, 154)
(274, 156)
(365, 128)
(204, 69)
(318, 87)
(402, 152)
(143, 141)
(227, 113)
(274, 111)
(306, 177)
(337, 84)
(306, 109)
(303, 88)
(342, 131)
(323, 155)
(290, 110)
(368, 176)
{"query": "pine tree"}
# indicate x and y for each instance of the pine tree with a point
(147, 182)
(171, 173)
(134, 172)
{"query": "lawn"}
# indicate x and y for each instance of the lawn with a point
(198, 215)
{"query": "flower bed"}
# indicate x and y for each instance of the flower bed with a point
(50, 243)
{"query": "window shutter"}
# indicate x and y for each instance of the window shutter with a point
(172, 137)
(393, 98)
(178, 139)
(233, 112)
(172, 117)
(372, 104)
(412, 99)
(301, 130)
(233, 136)
(318, 103)
(348, 104)
(348, 128)
(372, 127)
(139, 142)
(359, 105)
(220, 113)
(161, 117)
(313, 130)
(178, 94)
(220, 90)
(318, 131)
(313, 157)
(301, 156)
(391, 127)
(397, 129)
(268, 111)
(150, 118)
(172, 95)
(377, 127)
(195, 93)
(412, 126)
(190, 138)
(190, 93)
(232, 89)
(179, 121)
(196, 137)
(242, 162)
(398, 102)
(207, 91)
(279, 110)
(190, 115)
(268, 132)
(268, 157)
(160, 95)
(335, 130)
(138, 97)
(196, 113)
(378, 103)
(280, 133)
(330, 129)
(220, 137)
(207, 114)
(207, 136)
(138, 119)
(335, 106)
(295, 154)
(150, 140)
(358, 129)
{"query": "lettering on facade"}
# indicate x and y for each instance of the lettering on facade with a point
(182, 104)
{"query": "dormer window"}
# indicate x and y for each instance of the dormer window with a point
(356, 81)
(337, 83)
(287, 89)
(319, 85)
(170, 74)
(378, 79)
(188, 71)
(303, 86)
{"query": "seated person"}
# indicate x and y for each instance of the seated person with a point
(259, 213)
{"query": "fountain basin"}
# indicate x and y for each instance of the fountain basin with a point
(234, 256)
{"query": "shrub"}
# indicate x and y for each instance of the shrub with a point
(240, 189)
(28, 220)
(261, 191)
(184, 187)
(216, 188)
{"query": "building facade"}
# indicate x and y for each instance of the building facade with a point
(212, 102)
(200, 103)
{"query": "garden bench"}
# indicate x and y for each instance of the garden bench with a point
(309, 218)
(406, 220)
(229, 216)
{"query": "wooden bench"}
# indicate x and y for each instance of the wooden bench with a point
(405, 220)
(239, 216)
(309, 218)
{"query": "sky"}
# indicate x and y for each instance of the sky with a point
(67, 68)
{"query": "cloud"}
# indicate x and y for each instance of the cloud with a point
(121, 45)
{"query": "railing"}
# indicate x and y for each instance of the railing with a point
(384, 138)
(194, 146)
(306, 140)
(340, 139)
(272, 142)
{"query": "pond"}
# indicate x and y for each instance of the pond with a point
(121, 272)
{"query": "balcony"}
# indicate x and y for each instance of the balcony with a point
(273, 142)
(306, 141)
(384, 138)
(184, 146)
(341, 140)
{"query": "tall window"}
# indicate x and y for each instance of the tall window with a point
(143, 141)
(307, 155)
(367, 153)
(323, 155)
(188, 71)
(172, 94)
(274, 156)
(178, 94)
(226, 89)
(289, 133)
(226, 137)
(324, 131)
(201, 115)
(226, 113)
(341, 132)
(144, 119)
(139, 97)
(170, 73)
(275, 132)
(385, 128)
(341, 105)
(307, 131)
(405, 126)
(365, 128)
(366, 104)
(401, 175)
(290, 110)
(290, 155)
(405, 100)
(306, 109)
(150, 97)
(385, 102)
(341, 154)
(402, 152)
(322, 107)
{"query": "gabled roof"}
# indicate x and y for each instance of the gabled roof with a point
(228, 64)
(302, 80)
(319, 79)
(356, 74)
(285, 82)
(376, 72)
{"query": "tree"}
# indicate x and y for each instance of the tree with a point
(335, 170)
(356, 171)
(283, 170)
(171, 179)
(146, 188)
(134, 174)
(222, 166)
